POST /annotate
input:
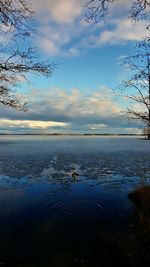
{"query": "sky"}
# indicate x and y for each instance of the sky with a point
(82, 96)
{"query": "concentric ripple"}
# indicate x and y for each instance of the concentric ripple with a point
(76, 210)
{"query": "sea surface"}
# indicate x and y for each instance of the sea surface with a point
(64, 200)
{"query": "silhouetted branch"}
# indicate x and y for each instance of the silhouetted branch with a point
(138, 86)
(98, 9)
(16, 60)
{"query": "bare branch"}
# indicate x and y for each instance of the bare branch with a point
(16, 20)
(139, 84)
(98, 9)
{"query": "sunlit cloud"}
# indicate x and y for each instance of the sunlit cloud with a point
(30, 124)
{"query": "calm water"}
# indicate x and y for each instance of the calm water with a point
(63, 200)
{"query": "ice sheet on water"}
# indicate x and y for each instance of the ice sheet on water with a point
(55, 160)
(7, 182)
(90, 165)
(57, 173)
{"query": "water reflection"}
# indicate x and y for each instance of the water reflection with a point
(68, 209)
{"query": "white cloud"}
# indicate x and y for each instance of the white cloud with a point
(123, 31)
(75, 104)
(65, 11)
(60, 11)
(63, 31)
(71, 40)
(63, 40)
(49, 47)
(97, 126)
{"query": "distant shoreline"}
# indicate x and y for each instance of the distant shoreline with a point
(70, 134)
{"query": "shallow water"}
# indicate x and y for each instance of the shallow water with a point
(63, 200)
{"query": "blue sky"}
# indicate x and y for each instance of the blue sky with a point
(82, 94)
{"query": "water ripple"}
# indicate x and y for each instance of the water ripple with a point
(76, 210)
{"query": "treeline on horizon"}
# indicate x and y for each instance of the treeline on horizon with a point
(77, 134)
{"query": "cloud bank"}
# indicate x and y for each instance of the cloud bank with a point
(58, 110)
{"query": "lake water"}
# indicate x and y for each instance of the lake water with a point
(63, 200)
